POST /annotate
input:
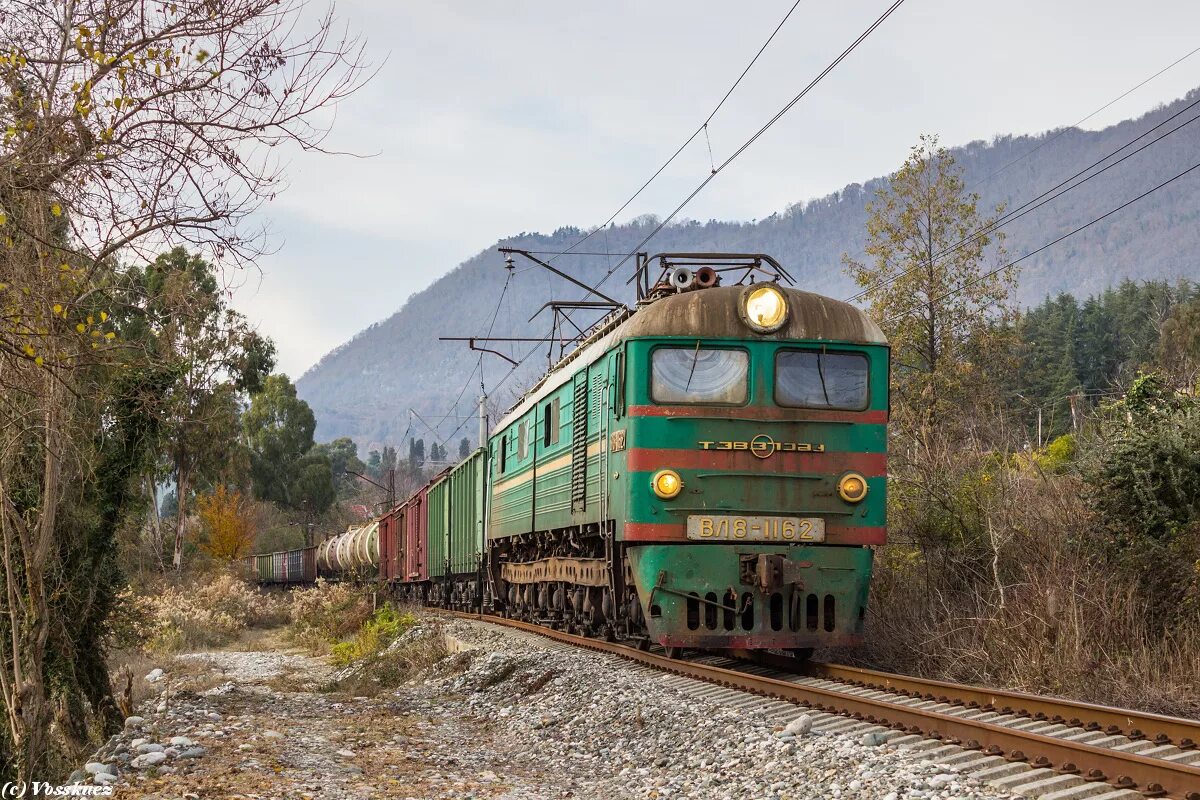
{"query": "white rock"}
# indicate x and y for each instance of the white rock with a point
(181, 741)
(799, 726)
(346, 753)
(150, 747)
(134, 722)
(104, 778)
(147, 760)
(272, 735)
(94, 766)
(155, 675)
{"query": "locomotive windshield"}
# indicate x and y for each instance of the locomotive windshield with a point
(698, 375)
(814, 379)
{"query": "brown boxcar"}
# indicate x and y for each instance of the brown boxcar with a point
(391, 545)
(416, 531)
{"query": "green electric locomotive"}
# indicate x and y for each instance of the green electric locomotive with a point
(708, 471)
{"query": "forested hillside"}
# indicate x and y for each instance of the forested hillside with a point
(365, 388)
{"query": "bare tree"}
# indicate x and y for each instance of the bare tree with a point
(128, 127)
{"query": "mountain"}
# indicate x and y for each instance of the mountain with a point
(365, 388)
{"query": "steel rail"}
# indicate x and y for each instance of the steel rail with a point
(1153, 777)
(1159, 728)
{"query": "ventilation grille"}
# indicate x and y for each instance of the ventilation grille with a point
(579, 436)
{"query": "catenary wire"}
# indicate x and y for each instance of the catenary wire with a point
(972, 281)
(1107, 105)
(703, 126)
(745, 145)
(1029, 206)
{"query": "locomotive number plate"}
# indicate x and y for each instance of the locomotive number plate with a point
(729, 528)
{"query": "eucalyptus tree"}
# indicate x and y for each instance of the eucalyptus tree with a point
(129, 128)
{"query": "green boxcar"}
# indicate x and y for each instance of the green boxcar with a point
(265, 568)
(438, 504)
(455, 530)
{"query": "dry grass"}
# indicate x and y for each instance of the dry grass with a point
(414, 654)
(1026, 603)
(327, 613)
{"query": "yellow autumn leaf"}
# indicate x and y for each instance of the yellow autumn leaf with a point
(39, 360)
(29, 351)
(110, 336)
(80, 327)
(3, 218)
(104, 316)
(58, 308)
(56, 210)
(91, 320)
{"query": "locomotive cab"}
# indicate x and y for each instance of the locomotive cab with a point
(708, 471)
(757, 481)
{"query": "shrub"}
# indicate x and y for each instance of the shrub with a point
(206, 614)
(379, 631)
(326, 614)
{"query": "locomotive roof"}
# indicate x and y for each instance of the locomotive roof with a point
(712, 313)
(716, 312)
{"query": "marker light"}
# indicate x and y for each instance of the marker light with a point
(765, 308)
(667, 483)
(852, 487)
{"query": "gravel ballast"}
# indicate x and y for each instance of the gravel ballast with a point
(507, 714)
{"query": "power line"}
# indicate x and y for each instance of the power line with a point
(689, 140)
(1029, 206)
(971, 282)
(1066, 129)
(745, 145)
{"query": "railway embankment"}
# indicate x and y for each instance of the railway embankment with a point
(488, 713)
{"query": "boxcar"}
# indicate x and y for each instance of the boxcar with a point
(391, 542)
(455, 512)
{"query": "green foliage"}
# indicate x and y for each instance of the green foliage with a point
(1144, 480)
(1072, 353)
(342, 455)
(279, 428)
(1057, 456)
(384, 626)
(928, 282)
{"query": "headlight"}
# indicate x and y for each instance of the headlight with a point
(852, 487)
(765, 308)
(667, 483)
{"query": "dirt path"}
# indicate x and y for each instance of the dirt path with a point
(266, 732)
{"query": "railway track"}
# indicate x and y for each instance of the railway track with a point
(1032, 745)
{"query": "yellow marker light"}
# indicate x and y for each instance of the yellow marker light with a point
(667, 483)
(765, 308)
(852, 487)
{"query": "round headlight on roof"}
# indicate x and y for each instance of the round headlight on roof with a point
(764, 307)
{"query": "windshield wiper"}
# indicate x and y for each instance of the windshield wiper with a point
(821, 375)
(695, 358)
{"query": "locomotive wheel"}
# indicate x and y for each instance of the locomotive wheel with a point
(674, 652)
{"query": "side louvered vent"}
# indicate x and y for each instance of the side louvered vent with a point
(579, 436)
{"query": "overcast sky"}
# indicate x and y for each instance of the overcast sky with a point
(489, 119)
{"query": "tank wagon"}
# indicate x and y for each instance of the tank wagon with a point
(707, 471)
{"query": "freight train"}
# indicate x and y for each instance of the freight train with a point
(707, 470)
